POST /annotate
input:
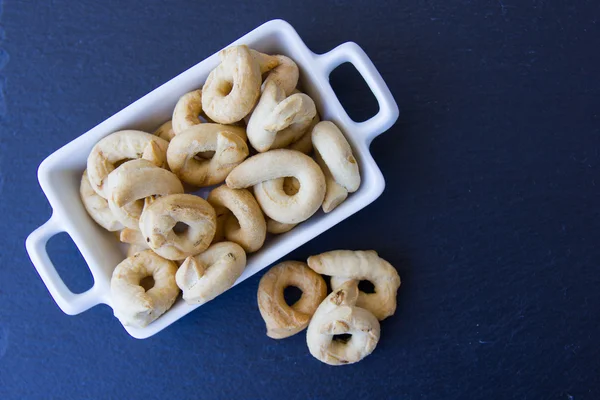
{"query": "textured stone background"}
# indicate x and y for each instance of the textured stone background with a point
(490, 213)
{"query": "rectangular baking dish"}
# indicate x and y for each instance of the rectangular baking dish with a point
(60, 174)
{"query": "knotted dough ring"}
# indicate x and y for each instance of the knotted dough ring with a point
(186, 112)
(334, 154)
(132, 304)
(240, 219)
(206, 275)
(279, 117)
(281, 319)
(165, 131)
(134, 181)
(278, 68)
(227, 142)
(304, 144)
(233, 87)
(259, 170)
(337, 315)
(122, 146)
(160, 217)
(97, 206)
(347, 265)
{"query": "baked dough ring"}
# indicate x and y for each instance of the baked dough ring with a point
(277, 228)
(280, 69)
(132, 304)
(186, 112)
(281, 319)
(227, 142)
(134, 181)
(291, 186)
(335, 151)
(335, 193)
(97, 206)
(242, 220)
(285, 74)
(259, 170)
(304, 144)
(277, 121)
(121, 146)
(207, 275)
(232, 88)
(345, 265)
(165, 131)
(160, 217)
(337, 315)
(133, 249)
(133, 237)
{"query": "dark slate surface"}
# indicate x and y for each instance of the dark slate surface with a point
(490, 213)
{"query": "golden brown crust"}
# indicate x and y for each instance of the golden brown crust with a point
(281, 319)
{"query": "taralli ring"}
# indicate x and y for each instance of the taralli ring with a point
(120, 146)
(346, 265)
(232, 89)
(227, 142)
(207, 275)
(165, 131)
(242, 220)
(160, 217)
(186, 111)
(97, 206)
(285, 74)
(277, 228)
(277, 121)
(304, 144)
(134, 181)
(133, 237)
(134, 305)
(335, 193)
(261, 168)
(338, 315)
(335, 151)
(281, 319)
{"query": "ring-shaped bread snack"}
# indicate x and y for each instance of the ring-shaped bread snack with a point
(133, 237)
(233, 87)
(335, 193)
(277, 228)
(304, 144)
(339, 315)
(348, 265)
(241, 217)
(132, 304)
(206, 275)
(285, 74)
(291, 186)
(160, 217)
(260, 169)
(227, 142)
(133, 249)
(278, 68)
(187, 110)
(336, 152)
(281, 319)
(277, 121)
(122, 146)
(132, 182)
(165, 131)
(97, 206)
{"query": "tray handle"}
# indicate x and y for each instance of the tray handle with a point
(71, 303)
(388, 109)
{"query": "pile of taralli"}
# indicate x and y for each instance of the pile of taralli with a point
(248, 132)
(343, 328)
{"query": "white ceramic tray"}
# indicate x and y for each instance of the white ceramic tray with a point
(59, 174)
